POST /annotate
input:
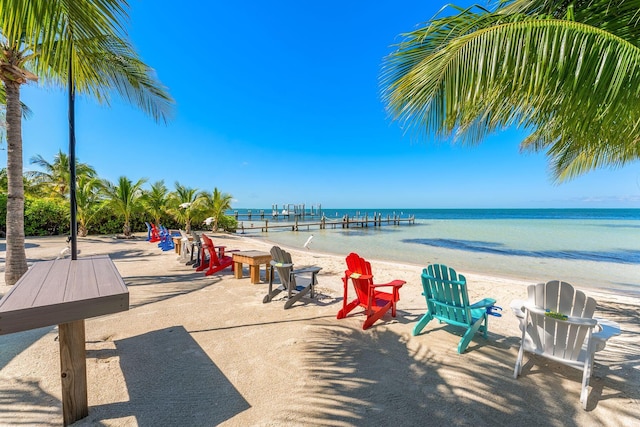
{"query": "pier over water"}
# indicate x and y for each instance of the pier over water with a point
(296, 218)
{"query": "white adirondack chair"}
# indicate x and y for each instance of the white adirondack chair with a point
(185, 246)
(557, 323)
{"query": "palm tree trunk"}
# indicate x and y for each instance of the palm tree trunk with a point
(16, 260)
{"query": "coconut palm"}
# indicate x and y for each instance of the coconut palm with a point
(56, 175)
(124, 198)
(566, 71)
(214, 205)
(88, 201)
(156, 200)
(47, 39)
(183, 202)
(31, 188)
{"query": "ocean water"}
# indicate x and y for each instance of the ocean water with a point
(590, 248)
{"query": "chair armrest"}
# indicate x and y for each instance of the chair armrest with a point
(351, 275)
(607, 329)
(312, 269)
(487, 302)
(280, 264)
(395, 284)
(517, 306)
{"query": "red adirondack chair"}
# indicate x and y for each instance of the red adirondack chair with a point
(155, 234)
(217, 261)
(368, 295)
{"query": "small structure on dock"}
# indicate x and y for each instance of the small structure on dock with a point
(289, 211)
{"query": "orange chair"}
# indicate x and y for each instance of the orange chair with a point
(217, 261)
(368, 295)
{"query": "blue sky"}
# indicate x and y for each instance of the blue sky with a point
(279, 102)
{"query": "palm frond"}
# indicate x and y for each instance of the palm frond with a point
(527, 71)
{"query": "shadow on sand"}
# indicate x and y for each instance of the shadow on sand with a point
(373, 377)
(170, 381)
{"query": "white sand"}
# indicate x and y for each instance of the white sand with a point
(202, 351)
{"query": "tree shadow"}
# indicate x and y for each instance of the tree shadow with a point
(39, 407)
(14, 344)
(161, 288)
(170, 381)
(379, 377)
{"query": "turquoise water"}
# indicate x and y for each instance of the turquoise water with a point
(597, 248)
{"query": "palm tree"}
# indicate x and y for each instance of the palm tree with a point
(88, 201)
(48, 39)
(566, 71)
(155, 200)
(56, 175)
(215, 205)
(183, 202)
(31, 188)
(124, 198)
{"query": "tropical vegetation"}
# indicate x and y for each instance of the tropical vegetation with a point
(47, 41)
(120, 208)
(566, 72)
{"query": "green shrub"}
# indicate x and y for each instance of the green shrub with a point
(228, 223)
(46, 217)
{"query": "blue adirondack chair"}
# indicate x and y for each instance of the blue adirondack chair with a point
(448, 301)
(166, 239)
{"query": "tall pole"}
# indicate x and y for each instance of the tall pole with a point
(72, 160)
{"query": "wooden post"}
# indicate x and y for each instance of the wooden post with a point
(73, 370)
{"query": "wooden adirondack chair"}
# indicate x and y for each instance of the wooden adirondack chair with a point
(297, 283)
(557, 323)
(196, 248)
(448, 301)
(217, 261)
(368, 295)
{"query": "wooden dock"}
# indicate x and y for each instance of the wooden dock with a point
(365, 221)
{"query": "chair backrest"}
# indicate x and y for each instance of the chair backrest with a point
(208, 243)
(559, 319)
(196, 238)
(358, 266)
(281, 258)
(446, 293)
(561, 297)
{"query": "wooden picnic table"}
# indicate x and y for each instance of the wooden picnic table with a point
(65, 292)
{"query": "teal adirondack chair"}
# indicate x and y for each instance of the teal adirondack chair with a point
(448, 301)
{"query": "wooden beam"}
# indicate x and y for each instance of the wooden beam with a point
(73, 370)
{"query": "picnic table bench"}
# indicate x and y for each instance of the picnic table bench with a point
(65, 292)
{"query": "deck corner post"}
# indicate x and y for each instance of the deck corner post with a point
(73, 371)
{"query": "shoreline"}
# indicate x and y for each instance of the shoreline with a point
(515, 276)
(196, 350)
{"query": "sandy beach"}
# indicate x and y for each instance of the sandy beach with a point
(204, 351)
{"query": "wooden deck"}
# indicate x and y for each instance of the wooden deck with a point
(65, 292)
(61, 291)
